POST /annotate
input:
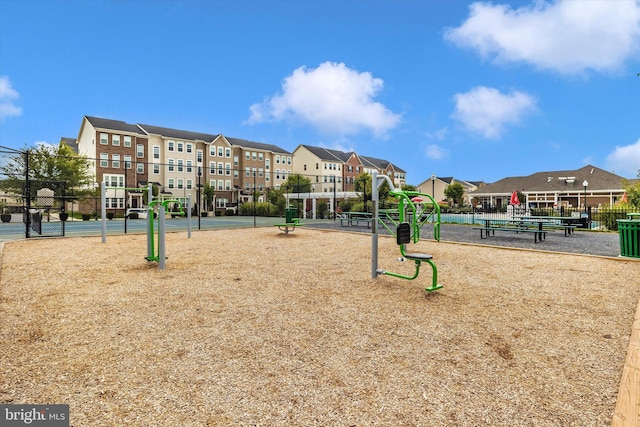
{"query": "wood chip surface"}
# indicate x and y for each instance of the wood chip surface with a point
(254, 327)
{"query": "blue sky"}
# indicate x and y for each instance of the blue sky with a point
(474, 90)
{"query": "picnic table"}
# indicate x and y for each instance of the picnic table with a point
(566, 223)
(351, 219)
(491, 225)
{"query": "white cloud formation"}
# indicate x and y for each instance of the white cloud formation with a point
(439, 134)
(487, 111)
(435, 152)
(625, 160)
(564, 36)
(7, 95)
(333, 98)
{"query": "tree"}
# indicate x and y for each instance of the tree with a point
(455, 192)
(297, 183)
(633, 193)
(208, 192)
(56, 167)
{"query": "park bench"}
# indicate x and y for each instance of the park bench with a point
(488, 231)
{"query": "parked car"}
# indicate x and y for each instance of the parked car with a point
(141, 213)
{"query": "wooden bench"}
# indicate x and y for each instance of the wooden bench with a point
(538, 235)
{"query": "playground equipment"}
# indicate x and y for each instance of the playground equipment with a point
(290, 222)
(160, 256)
(415, 209)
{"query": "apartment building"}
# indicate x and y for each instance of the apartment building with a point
(118, 154)
(334, 170)
(179, 162)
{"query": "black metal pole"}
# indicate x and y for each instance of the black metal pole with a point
(27, 195)
(254, 198)
(199, 189)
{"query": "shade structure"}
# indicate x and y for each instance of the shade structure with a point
(514, 199)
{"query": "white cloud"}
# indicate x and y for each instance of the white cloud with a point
(332, 98)
(625, 160)
(487, 111)
(7, 95)
(439, 134)
(564, 36)
(435, 152)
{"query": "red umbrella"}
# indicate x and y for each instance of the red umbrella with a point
(514, 199)
(417, 199)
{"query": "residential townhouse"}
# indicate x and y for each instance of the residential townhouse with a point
(179, 162)
(337, 171)
(260, 167)
(435, 187)
(118, 153)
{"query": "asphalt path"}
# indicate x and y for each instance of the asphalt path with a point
(581, 242)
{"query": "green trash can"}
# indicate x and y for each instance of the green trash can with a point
(629, 231)
(289, 214)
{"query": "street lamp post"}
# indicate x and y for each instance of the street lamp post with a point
(585, 184)
(199, 199)
(433, 186)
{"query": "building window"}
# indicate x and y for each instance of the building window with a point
(220, 185)
(236, 174)
(171, 183)
(247, 155)
(104, 139)
(189, 148)
(277, 173)
(236, 161)
(171, 163)
(180, 147)
(104, 160)
(220, 168)
(139, 150)
(140, 168)
(260, 173)
(254, 155)
(156, 169)
(199, 156)
(277, 159)
(115, 161)
(171, 145)
(260, 156)
(227, 167)
(227, 152)
(212, 168)
(247, 171)
(212, 150)
(189, 184)
(180, 184)
(189, 166)
(267, 164)
(127, 141)
(127, 161)
(115, 140)
(220, 151)
(227, 185)
(156, 152)
(180, 165)
(317, 166)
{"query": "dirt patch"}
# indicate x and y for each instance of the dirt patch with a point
(252, 327)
